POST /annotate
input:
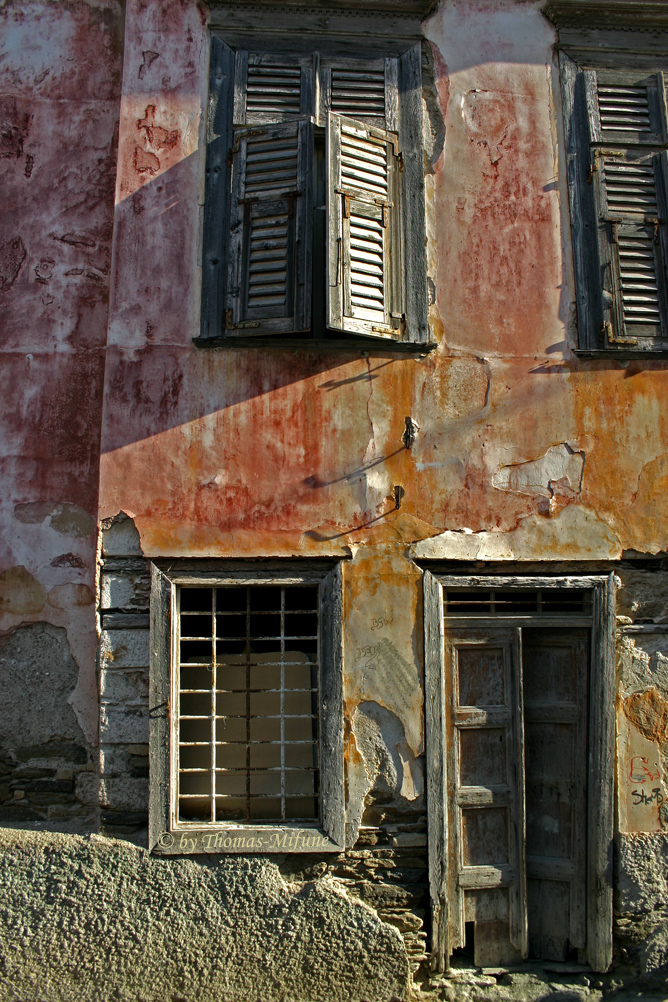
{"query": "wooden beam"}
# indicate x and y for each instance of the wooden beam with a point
(631, 14)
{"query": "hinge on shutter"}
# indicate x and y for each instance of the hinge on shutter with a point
(606, 330)
(386, 217)
(346, 206)
(401, 317)
(593, 168)
(229, 325)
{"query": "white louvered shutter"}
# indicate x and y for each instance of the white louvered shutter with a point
(270, 230)
(628, 169)
(364, 246)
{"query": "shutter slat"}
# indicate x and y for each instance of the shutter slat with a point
(630, 188)
(640, 290)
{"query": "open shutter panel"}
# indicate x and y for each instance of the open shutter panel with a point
(363, 229)
(270, 230)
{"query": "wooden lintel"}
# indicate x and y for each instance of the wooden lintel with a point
(639, 15)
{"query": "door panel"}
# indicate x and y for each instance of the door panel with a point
(555, 711)
(485, 804)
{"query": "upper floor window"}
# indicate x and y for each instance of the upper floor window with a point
(314, 205)
(614, 98)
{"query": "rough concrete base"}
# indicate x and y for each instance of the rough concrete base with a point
(99, 919)
(641, 924)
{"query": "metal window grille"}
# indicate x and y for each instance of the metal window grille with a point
(248, 703)
(546, 601)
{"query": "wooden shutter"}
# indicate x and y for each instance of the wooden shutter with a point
(366, 90)
(485, 793)
(617, 136)
(270, 87)
(363, 222)
(626, 110)
(630, 200)
(270, 230)
(217, 189)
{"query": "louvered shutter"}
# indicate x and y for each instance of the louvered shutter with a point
(363, 221)
(625, 169)
(632, 224)
(272, 88)
(270, 230)
(366, 91)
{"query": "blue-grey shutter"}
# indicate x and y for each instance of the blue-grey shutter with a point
(268, 289)
(616, 136)
(216, 193)
(272, 87)
(627, 122)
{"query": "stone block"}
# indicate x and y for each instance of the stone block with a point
(86, 788)
(124, 648)
(123, 725)
(124, 686)
(124, 591)
(124, 793)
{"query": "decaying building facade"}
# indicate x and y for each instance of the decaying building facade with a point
(334, 587)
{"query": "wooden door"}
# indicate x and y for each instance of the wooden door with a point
(485, 803)
(555, 733)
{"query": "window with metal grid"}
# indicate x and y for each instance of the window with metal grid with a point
(248, 703)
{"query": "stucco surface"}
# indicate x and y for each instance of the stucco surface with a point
(100, 919)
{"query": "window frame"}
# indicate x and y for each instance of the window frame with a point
(413, 333)
(601, 731)
(168, 836)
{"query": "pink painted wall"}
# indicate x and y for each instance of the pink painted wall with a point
(60, 75)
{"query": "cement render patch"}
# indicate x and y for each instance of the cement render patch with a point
(98, 920)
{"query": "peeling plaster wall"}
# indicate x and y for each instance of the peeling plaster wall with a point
(60, 75)
(522, 452)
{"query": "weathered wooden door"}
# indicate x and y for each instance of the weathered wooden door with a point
(555, 733)
(516, 726)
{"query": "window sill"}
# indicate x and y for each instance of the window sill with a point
(359, 345)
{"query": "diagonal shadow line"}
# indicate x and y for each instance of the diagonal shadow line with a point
(318, 537)
(365, 377)
(315, 482)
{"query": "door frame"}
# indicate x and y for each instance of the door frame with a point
(600, 766)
